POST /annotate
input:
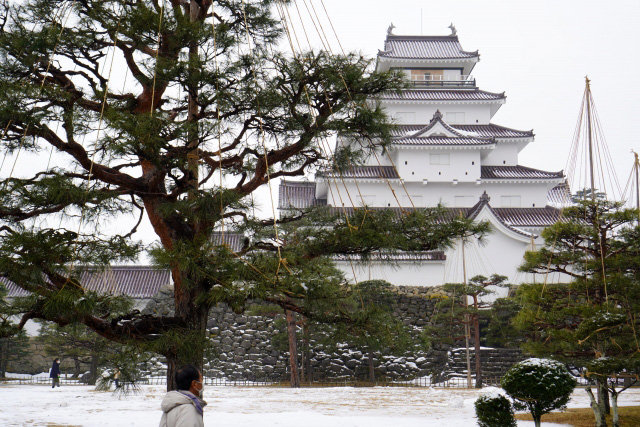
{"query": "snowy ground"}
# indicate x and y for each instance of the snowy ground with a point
(39, 405)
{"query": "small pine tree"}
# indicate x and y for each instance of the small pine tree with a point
(494, 411)
(539, 385)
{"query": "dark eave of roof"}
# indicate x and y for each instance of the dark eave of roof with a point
(365, 172)
(442, 95)
(234, 241)
(443, 140)
(132, 281)
(298, 195)
(517, 172)
(425, 47)
(488, 131)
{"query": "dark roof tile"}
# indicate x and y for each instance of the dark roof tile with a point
(371, 172)
(424, 47)
(298, 195)
(516, 172)
(442, 95)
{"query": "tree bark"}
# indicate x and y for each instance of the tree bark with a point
(293, 348)
(614, 409)
(597, 412)
(537, 421)
(77, 368)
(372, 371)
(93, 370)
(192, 346)
(4, 356)
(603, 397)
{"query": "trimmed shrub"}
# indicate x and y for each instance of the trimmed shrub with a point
(539, 385)
(494, 411)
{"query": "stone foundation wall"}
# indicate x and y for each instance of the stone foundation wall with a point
(244, 348)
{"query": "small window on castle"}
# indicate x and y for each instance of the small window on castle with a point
(504, 162)
(405, 162)
(473, 163)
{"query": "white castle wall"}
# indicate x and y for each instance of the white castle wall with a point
(417, 113)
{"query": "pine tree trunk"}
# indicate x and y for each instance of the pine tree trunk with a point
(597, 412)
(372, 371)
(293, 348)
(4, 356)
(614, 409)
(537, 421)
(93, 370)
(77, 368)
(190, 350)
(476, 330)
(603, 397)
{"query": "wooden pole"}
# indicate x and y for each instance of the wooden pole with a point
(636, 165)
(587, 94)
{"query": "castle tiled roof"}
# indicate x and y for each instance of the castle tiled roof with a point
(132, 281)
(424, 47)
(442, 95)
(516, 172)
(496, 131)
(528, 217)
(371, 172)
(235, 241)
(560, 195)
(298, 195)
(489, 131)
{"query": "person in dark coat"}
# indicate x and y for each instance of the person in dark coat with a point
(55, 373)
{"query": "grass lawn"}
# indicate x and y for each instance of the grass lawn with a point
(583, 417)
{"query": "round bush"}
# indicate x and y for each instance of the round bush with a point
(494, 411)
(539, 385)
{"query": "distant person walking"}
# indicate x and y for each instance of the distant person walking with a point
(183, 407)
(116, 377)
(55, 373)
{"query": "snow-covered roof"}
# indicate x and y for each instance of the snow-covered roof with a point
(425, 47)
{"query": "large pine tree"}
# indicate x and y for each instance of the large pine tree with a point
(177, 111)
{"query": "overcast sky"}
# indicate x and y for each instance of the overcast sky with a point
(538, 52)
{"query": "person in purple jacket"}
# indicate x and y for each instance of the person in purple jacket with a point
(55, 373)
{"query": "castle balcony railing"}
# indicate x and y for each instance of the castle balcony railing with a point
(463, 80)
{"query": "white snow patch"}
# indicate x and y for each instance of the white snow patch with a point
(263, 406)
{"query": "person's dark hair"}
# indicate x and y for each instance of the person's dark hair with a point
(56, 360)
(185, 375)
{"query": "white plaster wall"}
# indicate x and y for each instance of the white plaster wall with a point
(415, 165)
(532, 194)
(474, 113)
(428, 273)
(504, 154)
(432, 193)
